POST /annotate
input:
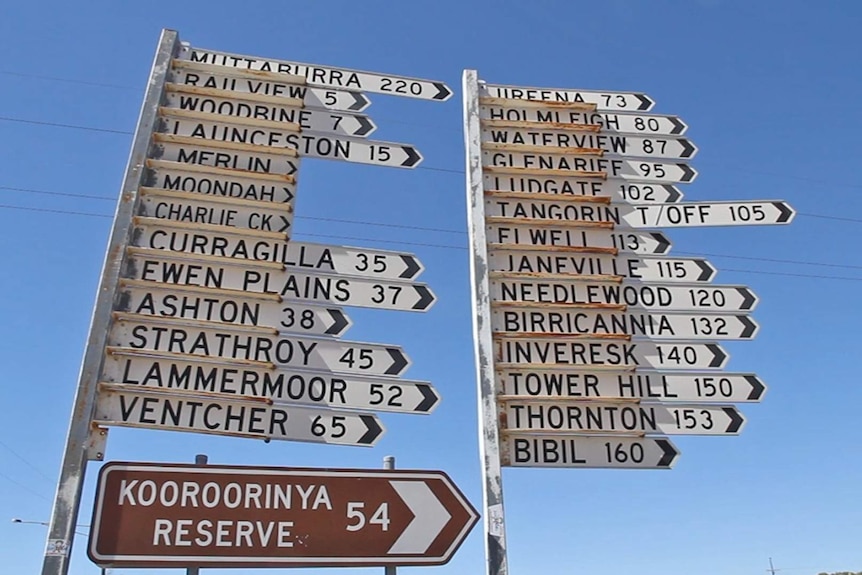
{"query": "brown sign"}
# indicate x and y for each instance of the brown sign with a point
(166, 515)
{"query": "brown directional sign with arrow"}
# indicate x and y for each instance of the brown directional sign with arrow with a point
(166, 515)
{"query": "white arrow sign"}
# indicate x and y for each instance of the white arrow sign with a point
(562, 187)
(601, 99)
(191, 373)
(242, 278)
(121, 406)
(665, 298)
(429, 517)
(255, 344)
(584, 352)
(544, 320)
(587, 452)
(223, 183)
(183, 99)
(527, 117)
(230, 307)
(326, 76)
(624, 145)
(513, 264)
(212, 80)
(641, 170)
(194, 208)
(610, 417)
(562, 382)
(238, 157)
(227, 242)
(750, 213)
(509, 233)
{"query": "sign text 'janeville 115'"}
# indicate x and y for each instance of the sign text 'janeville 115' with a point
(152, 515)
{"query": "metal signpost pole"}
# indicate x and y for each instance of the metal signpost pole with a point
(70, 484)
(389, 464)
(200, 459)
(489, 433)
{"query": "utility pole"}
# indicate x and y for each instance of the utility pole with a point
(772, 570)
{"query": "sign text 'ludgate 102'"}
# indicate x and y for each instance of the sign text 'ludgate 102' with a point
(592, 345)
(211, 319)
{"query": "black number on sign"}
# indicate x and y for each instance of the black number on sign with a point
(617, 452)
(654, 146)
(378, 397)
(362, 360)
(625, 241)
(707, 298)
(747, 213)
(336, 423)
(637, 193)
(618, 100)
(709, 325)
(336, 121)
(710, 387)
(307, 320)
(290, 317)
(380, 293)
(646, 124)
(378, 262)
(329, 98)
(657, 170)
(671, 269)
(400, 86)
(678, 354)
(379, 153)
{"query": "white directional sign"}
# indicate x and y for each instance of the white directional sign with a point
(638, 170)
(509, 233)
(651, 418)
(584, 352)
(563, 382)
(194, 208)
(610, 452)
(601, 99)
(638, 124)
(190, 373)
(508, 319)
(544, 186)
(212, 80)
(236, 156)
(288, 283)
(669, 148)
(222, 182)
(665, 298)
(532, 264)
(201, 414)
(231, 307)
(316, 75)
(255, 344)
(751, 213)
(254, 112)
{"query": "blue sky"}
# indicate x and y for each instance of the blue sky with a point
(770, 91)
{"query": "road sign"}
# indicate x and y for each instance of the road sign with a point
(525, 117)
(143, 332)
(117, 406)
(275, 517)
(624, 145)
(534, 265)
(253, 112)
(222, 182)
(231, 307)
(561, 382)
(545, 320)
(579, 352)
(316, 75)
(601, 99)
(670, 298)
(611, 452)
(560, 187)
(622, 417)
(241, 276)
(521, 233)
(232, 155)
(194, 208)
(638, 170)
(269, 140)
(242, 245)
(223, 378)
(276, 88)
(751, 213)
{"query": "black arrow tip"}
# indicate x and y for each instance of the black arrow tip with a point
(786, 212)
(413, 268)
(757, 387)
(688, 148)
(374, 430)
(289, 193)
(736, 419)
(360, 101)
(748, 298)
(663, 243)
(365, 126)
(340, 322)
(750, 327)
(678, 125)
(413, 157)
(399, 361)
(443, 91)
(718, 355)
(426, 297)
(669, 453)
(646, 102)
(429, 397)
(688, 173)
(673, 194)
(707, 271)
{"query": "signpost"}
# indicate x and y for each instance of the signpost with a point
(154, 515)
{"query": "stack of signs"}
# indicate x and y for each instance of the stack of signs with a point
(221, 323)
(602, 344)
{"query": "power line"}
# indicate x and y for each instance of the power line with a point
(26, 462)
(58, 125)
(67, 80)
(64, 212)
(24, 487)
(47, 193)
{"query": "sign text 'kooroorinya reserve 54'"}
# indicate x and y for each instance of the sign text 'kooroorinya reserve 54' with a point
(591, 344)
